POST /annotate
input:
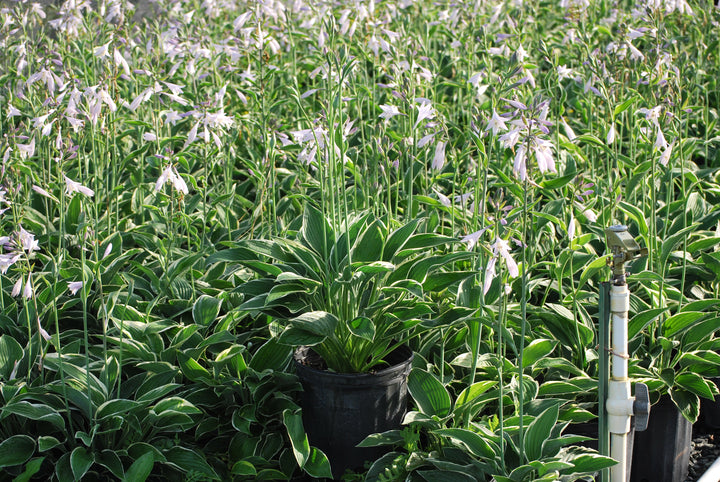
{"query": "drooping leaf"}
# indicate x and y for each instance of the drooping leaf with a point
(298, 437)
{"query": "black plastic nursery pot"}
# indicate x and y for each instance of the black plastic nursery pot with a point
(710, 409)
(341, 409)
(662, 452)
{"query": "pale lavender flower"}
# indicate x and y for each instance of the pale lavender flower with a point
(7, 260)
(389, 111)
(660, 142)
(171, 174)
(72, 187)
(444, 200)
(26, 241)
(571, 227)
(74, 286)
(610, 138)
(496, 124)
(590, 215)
(108, 250)
(17, 287)
(102, 51)
(473, 238)
(665, 156)
(425, 111)
(28, 291)
(510, 138)
(439, 158)
(500, 248)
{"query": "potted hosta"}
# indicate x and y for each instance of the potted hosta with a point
(349, 297)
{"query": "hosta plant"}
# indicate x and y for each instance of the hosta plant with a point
(353, 292)
(462, 438)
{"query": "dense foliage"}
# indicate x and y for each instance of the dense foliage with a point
(190, 190)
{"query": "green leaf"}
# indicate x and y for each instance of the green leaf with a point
(680, 322)
(47, 442)
(430, 395)
(141, 468)
(10, 352)
(469, 394)
(80, 462)
(622, 107)
(176, 404)
(116, 407)
(369, 245)
(694, 383)
(192, 369)
(539, 431)
(205, 310)
(298, 437)
(474, 442)
(362, 327)
(445, 476)
(591, 463)
(376, 267)
(243, 467)
(669, 243)
(317, 464)
(189, 461)
(271, 355)
(31, 468)
(316, 322)
(536, 350)
(316, 231)
(16, 450)
(34, 411)
(688, 403)
(637, 215)
(638, 322)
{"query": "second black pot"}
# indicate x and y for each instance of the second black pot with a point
(662, 452)
(341, 409)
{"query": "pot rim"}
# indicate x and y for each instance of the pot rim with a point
(389, 373)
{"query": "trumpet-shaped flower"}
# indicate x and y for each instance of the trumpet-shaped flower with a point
(74, 286)
(425, 112)
(171, 174)
(72, 187)
(496, 124)
(472, 238)
(439, 158)
(500, 249)
(389, 111)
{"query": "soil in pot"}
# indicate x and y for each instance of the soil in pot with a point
(662, 452)
(341, 409)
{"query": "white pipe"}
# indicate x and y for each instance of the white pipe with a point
(712, 474)
(618, 451)
(619, 402)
